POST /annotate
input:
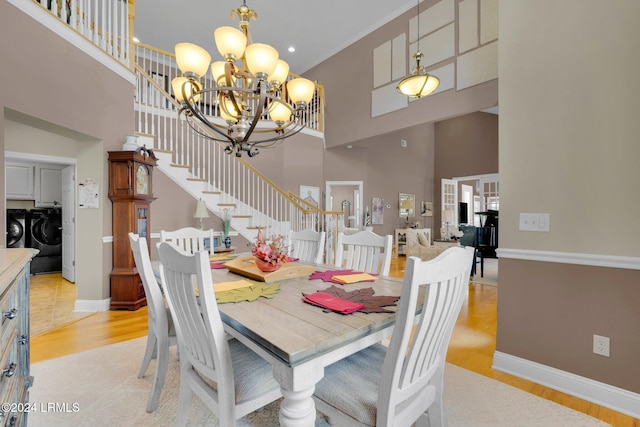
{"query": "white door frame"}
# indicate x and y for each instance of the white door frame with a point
(482, 180)
(358, 195)
(69, 223)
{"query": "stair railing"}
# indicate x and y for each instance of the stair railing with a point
(106, 23)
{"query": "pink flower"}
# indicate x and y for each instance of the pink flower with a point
(272, 251)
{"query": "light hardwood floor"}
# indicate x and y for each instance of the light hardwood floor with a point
(472, 345)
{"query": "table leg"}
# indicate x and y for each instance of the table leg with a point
(297, 384)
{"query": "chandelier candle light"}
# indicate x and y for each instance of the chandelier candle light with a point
(249, 85)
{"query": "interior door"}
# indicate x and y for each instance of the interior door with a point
(68, 223)
(466, 195)
(449, 203)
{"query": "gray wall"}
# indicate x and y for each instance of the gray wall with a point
(569, 147)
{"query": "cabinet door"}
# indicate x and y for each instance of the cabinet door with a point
(19, 181)
(48, 187)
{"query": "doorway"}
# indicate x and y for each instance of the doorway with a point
(65, 221)
(343, 196)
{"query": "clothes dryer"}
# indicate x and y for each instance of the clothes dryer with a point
(45, 234)
(16, 228)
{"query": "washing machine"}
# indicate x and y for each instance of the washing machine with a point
(16, 228)
(45, 234)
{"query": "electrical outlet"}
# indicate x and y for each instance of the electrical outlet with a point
(601, 345)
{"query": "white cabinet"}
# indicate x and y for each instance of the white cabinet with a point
(19, 181)
(48, 187)
(31, 181)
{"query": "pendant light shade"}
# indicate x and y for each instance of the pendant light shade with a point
(191, 88)
(192, 59)
(279, 112)
(301, 90)
(230, 42)
(280, 74)
(262, 59)
(418, 84)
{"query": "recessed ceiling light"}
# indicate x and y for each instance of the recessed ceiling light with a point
(291, 49)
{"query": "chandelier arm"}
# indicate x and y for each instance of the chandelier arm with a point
(198, 131)
(258, 113)
(280, 136)
(196, 128)
(228, 71)
(202, 120)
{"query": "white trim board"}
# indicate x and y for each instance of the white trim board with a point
(92, 305)
(615, 398)
(631, 263)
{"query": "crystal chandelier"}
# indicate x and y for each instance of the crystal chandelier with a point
(419, 83)
(249, 85)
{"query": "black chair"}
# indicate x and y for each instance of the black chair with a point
(469, 238)
(487, 237)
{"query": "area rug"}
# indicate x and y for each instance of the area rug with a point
(100, 388)
(490, 276)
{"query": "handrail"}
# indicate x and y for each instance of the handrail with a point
(311, 206)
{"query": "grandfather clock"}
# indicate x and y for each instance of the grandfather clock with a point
(130, 190)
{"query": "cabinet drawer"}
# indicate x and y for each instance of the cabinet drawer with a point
(9, 361)
(8, 319)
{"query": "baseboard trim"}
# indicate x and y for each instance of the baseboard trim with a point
(602, 394)
(631, 263)
(92, 305)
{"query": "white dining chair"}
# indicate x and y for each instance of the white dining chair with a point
(364, 251)
(190, 239)
(307, 245)
(160, 331)
(228, 377)
(403, 384)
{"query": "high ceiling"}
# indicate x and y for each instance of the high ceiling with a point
(316, 29)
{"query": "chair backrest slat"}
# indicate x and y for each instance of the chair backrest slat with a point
(190, 239)
(364, 251)
(307, 245)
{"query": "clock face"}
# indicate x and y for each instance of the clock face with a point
(142, 179)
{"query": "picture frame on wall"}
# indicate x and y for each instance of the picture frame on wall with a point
(310, 194)
(377, 211)
(426, 208)
(407, 205)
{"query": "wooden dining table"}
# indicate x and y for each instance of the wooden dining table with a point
(299, 339)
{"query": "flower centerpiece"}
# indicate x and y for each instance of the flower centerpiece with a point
(269, 254)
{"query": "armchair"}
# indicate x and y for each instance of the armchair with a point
(419, 244)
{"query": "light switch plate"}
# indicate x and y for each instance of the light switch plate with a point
(534, 222)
